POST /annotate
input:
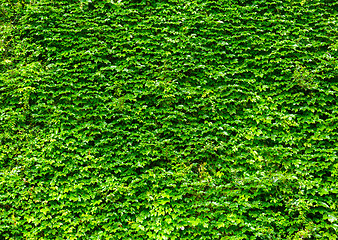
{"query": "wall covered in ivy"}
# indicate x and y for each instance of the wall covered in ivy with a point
(177, 119)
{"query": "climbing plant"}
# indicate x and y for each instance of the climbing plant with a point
(170, 119)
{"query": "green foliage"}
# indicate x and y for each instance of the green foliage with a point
(168, 119)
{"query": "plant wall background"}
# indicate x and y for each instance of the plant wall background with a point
(172, 119)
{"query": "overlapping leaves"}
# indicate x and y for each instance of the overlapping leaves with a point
(168, 120)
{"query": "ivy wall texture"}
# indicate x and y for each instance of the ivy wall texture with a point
(177, 119)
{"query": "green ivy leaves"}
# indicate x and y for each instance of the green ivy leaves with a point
(168, 120)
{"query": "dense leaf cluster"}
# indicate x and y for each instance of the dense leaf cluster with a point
(171, 119)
